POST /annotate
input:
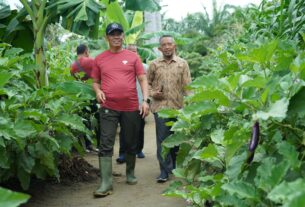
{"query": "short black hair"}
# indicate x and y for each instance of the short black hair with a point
(81, 49)
(166, 35)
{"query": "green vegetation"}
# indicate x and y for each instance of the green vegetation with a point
(255, 77)
(248, 66)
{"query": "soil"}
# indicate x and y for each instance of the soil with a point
(147, 193)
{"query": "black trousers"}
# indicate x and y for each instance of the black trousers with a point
(130, 124)
(162, 132)
(140, 139)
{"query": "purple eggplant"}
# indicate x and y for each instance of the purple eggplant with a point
(255, 137)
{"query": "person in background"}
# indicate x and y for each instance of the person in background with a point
(167, 77)
(140, 154)
(84, 64)
(114, 73)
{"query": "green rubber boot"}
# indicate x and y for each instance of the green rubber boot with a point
(105, 188)
(130, 166)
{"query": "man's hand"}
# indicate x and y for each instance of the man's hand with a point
(144, 111)
(100, 96)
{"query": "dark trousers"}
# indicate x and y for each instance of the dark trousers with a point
(140, 139)
(162, 132)
(109, 120)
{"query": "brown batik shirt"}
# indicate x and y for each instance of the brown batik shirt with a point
(171, 78)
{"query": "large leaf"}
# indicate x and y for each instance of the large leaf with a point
(289, 192)
(9, 198)
(241, 189)
(115, 13)
(289, 153)
(131, 37)
(24, 128)
(297, 104)
(261, 54)
(270, 173)
(298, 65)
(76, 87)
(74, 121)
(4, 77)
(142, 5)
(175, 140)
(277, 110)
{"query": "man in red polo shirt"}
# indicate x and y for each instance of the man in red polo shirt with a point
(114, 73)
(83, 63)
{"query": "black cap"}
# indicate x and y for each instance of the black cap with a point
(112, 27)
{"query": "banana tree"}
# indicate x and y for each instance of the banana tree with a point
(79, 16)
(43, 12)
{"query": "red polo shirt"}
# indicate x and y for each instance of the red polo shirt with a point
(118, 72)
(85, 63)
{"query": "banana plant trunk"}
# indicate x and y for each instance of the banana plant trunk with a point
(39, 17)
(41, 66)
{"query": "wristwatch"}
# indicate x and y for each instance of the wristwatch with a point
(147, 100)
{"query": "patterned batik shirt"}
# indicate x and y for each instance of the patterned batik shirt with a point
(171, 78)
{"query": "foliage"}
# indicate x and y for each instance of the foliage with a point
(252, 78)
(12, 199)
(286, 17)
(36, 124)
(213, 130)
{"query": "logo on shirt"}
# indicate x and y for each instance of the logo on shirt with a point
(124, 62)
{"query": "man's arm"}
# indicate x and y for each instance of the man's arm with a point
(186, 79)
(156, 94)
(100, 96)
(144, 87)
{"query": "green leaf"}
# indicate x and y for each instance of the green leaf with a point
(258, 82)
(217, 136)
(297, 104)
(9, 198)
(242, 189)
(37, 115)
(235, 165)
(298, 200)
(175, 140)
(142, 5)
(270, 173)
(24, 128)
(115, 13)
(200, 108)
(288, 191)
(76, 87)
(209, 82)
(168, 113)
(74, 121)
(298, 64)
(289, 153)
(4, 161)
(24, 178)
(277, 110)
(212, 95)
(4, 77)
(207, 152)
(261, 54)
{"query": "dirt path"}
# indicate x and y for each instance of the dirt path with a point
(147, 193)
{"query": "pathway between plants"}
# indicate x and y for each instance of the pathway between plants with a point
(147, 193)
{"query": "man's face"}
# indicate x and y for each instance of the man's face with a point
(115, 38)
(167, 47)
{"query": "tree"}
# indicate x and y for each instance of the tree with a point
(79, 16)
